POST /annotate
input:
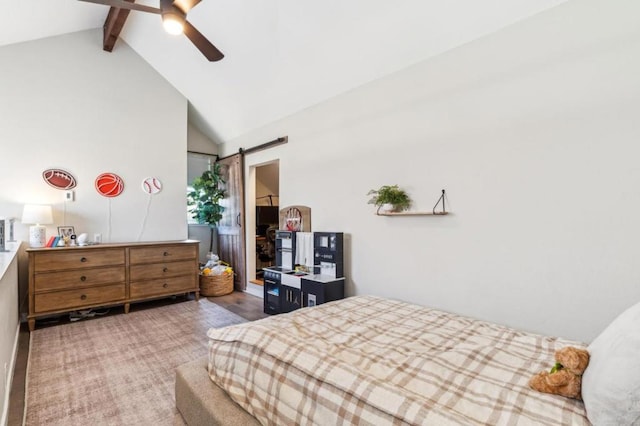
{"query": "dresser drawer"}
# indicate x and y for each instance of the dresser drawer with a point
(162, 270)
(166, 253)
(65, 299)
(72, 259)
(78, 278)
(141, 289)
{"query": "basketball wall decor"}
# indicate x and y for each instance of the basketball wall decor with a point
(109, 185)
(59, 179)
(151, 185)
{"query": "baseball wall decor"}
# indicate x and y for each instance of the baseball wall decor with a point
(109, 185)
(151, 185)
(59, 179)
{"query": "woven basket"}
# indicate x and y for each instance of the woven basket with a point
(216, 285)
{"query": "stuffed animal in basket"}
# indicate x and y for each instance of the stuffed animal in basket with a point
(565, 378)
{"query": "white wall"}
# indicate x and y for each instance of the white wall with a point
(65, 103)
(533, 133)
(198, 142)
(9, 324)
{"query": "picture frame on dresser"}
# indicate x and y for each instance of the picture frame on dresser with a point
(66, 231)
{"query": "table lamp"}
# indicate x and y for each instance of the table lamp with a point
(37, 215)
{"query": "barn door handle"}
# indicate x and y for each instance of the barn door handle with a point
(238, 219)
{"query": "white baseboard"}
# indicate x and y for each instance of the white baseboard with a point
(7, 391)
(254, 289)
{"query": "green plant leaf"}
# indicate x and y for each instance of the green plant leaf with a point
(390, 194)
(206, 195)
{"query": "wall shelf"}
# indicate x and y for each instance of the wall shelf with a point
(412, 213)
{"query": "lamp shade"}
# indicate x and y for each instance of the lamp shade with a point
(37, 214)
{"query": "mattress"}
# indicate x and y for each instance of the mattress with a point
(368, 360)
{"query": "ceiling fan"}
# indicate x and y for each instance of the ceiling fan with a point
(174, 20)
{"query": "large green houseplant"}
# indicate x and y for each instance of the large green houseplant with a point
(205, 197)
(391, 195)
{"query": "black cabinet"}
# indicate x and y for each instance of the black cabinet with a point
(271, 292)
(317, 292)
(328, 253)
(286, 249)
(290, 298)
(285, 297)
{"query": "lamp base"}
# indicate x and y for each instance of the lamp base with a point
(37, 236)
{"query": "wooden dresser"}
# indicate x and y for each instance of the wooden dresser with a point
(73, 278)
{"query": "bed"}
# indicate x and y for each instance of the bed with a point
(368, 360)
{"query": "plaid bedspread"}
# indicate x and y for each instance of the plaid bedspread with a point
(371, 361)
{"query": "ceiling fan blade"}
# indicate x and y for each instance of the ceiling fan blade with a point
(120, 4)
(186, 5)
(205, 46)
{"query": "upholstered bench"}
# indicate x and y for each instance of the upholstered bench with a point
(202, 402)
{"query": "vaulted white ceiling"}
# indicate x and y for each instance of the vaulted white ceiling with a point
(281, 56)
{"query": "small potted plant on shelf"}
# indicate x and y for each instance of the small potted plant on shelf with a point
(390, 198)
(205, 198)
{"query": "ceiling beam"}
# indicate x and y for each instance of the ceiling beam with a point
(113, 25)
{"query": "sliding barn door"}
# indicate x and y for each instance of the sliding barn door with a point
(231, 235)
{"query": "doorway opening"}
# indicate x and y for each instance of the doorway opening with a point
(264, 203)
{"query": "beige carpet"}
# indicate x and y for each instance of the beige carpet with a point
(117, 370)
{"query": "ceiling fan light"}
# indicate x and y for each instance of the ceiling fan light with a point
(172, 23)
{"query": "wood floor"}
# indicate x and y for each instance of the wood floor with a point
(245, 305)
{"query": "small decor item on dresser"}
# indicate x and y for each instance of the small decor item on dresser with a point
(66, 231)
(82, 239)
(67, 235)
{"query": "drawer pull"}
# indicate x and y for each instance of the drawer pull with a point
(83, 297)
(165, 285)
(165, 269)
(166, 253)
(83, 278)
(83, 259)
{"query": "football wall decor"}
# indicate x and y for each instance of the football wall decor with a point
(109, 185)
(59, 179)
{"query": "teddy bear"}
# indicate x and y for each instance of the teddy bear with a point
(565, 378)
